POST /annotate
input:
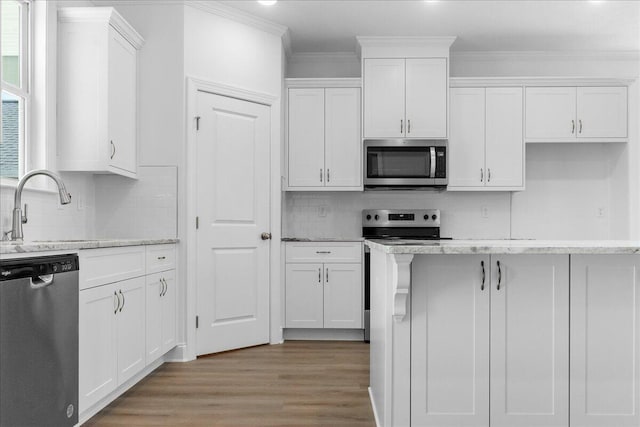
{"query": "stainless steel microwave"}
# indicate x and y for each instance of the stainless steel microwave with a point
(405, 164)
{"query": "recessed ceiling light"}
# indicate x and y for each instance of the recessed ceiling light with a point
(267, 2)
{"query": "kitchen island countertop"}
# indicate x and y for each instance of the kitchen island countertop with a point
(505, 246)
(63, 245)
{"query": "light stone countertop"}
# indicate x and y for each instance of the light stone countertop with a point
(323, 239)
(63, 245)
(505, 246)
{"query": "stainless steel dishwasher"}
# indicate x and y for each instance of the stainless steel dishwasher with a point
(39, 341)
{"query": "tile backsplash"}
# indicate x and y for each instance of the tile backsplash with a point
(142, 208)
(316, 214)
(47, 219)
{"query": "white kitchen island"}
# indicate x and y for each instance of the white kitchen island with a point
(505, 333)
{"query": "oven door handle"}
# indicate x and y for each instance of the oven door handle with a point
(432, 173)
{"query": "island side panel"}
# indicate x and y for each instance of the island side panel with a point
(377, 359)
(390, 351)
(399, 337)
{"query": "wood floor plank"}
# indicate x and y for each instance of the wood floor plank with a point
(298, 383)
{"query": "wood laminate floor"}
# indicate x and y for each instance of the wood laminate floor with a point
(298, 383)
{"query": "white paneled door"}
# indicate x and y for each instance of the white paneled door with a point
(233, 202)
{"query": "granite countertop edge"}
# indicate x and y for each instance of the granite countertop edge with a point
(322, 239)
(577, 247)
(62, 245)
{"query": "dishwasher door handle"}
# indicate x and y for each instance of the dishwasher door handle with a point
(41, 281)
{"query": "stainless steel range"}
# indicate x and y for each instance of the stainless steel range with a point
(412, 224)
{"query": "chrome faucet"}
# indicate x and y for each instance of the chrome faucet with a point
(18, 218)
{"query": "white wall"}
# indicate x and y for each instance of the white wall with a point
(565, 184)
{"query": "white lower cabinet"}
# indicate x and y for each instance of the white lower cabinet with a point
(326, 293)
(111, 337)
(161, 314)
(605, 340)
(324, 296)
(123, 325)
(490, 341)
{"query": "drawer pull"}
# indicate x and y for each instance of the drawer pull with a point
(323, 252)
(162, 257)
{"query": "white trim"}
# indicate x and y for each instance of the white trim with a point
(323, 82)
(491, 56)
(232, 91)
(193, 86)
(537, 81)
(404, 47)
(325, 56)
(373, 407)
(303, 334)
(245, 18)
(102, 14)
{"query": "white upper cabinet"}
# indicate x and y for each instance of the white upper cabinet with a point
(466, 143)
(602, 112)
(342, 152)
(486, 145)
(97, 91)
(384, 87)
(405, 98)
(306, 137)
(426, 97)
(576, 114)
(324, 142)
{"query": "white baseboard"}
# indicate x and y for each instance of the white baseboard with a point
(324, 334)
(178, 354)
(373, 406)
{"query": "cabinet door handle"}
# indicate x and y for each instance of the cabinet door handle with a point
(327, 275)
(573, 126)
(580, 124)
(122, 301)
(323, 252)
(483, 275)
(162, 257)
(401, 123)
(488, 175)
(328, 175)
(166, 286)
(117, 301)
(408, 126)
(113, 149)
(319, 275)
(481, 175)
(499, 275)
(320, 174)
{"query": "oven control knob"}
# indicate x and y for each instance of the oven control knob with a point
(368, 217)
(377, 217)
(434, 217)
(426, 217)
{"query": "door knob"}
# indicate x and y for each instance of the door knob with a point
(265, 236)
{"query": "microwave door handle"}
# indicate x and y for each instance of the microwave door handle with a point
(432, 173)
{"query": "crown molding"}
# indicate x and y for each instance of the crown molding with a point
(324, 56)
(490, 56)
(245, 18)
(348, 82)
(104, 15)
(403, 47)
(538, 81)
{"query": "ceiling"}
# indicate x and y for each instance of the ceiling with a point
(505, 25)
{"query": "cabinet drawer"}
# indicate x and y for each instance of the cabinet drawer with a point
(107, 265)
(315, 252)
(161, 258)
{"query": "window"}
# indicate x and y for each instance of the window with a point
(15, 50)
